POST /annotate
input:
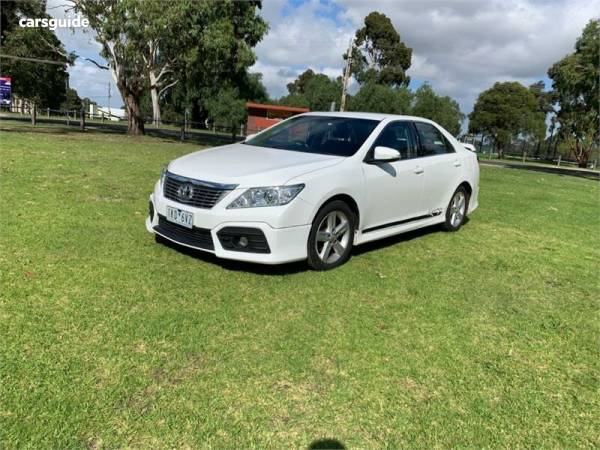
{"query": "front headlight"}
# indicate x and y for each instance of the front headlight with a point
(163, 172)
(266, 196)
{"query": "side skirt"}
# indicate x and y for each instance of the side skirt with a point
(383, 231)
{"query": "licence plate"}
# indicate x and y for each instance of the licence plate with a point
(180, 217)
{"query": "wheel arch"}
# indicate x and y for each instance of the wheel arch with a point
(467, 187)
(348, 199)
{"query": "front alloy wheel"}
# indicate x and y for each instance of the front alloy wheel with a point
(331, 237)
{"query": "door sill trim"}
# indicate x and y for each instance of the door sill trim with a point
(399, 222)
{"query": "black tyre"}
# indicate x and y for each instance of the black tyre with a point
(456, 212)
(332, 236)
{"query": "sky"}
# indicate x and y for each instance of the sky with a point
(460, 47)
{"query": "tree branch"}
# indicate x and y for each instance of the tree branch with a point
(94, 62)
(167, 87)
(165, 69)
(52, 47)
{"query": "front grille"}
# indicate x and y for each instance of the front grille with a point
(195, 237)
(204, 194)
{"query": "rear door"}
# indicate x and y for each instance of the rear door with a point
(393, 190)
(441, 165)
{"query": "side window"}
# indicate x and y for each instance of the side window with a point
(397, 135)
(432, 141)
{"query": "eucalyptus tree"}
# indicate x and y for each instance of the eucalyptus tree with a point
(313, 90)
(505, 111)
(374, 97)
(576, 91)
(379, 55)
(215, 36)
(152, 44)
(119, 30)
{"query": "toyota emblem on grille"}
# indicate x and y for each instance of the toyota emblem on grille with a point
(185, 192)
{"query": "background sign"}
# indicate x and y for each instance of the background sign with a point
(5, 91)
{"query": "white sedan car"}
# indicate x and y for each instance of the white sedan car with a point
(315, 185)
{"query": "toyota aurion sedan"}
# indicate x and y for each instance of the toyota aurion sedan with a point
(313, 186)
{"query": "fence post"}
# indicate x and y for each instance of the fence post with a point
(182, 135)
(559, 158)
(47, 112)
(68, 117)
(524, 156)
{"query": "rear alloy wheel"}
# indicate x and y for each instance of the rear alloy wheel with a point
(331, 236)
(457, 210)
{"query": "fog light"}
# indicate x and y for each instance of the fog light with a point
(243, 241)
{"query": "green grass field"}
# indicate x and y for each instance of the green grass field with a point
(488, 337)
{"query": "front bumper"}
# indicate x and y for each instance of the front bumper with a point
(285, 243)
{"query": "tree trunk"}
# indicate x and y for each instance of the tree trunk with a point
(155, 100)
(131, 99)
(499, 150)
(135, 122)
(156, 120)
(33, 113)
(580, 154)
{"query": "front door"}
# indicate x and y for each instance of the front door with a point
(393, 190)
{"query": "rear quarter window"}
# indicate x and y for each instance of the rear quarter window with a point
(432, 141)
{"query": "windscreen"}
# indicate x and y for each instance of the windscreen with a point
(341, 136)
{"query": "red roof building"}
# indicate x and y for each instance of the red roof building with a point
(261, 116)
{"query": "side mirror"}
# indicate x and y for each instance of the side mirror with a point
(385, 154)
(249, 136)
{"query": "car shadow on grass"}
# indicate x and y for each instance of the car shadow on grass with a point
(326, 444)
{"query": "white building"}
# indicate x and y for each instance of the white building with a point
(99, 112)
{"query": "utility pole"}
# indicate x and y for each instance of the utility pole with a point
(109, 100)
(346, 76)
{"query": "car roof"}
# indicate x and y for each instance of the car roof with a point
(364, 115)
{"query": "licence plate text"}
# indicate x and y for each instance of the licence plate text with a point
(180, 217)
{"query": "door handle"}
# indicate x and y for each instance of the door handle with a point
(419, 170)
(457, 163)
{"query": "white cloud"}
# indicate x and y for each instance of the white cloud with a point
(463, 47)
(92, 82)
(299, 38)
(305, 35)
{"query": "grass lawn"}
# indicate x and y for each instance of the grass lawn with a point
(483, 338)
